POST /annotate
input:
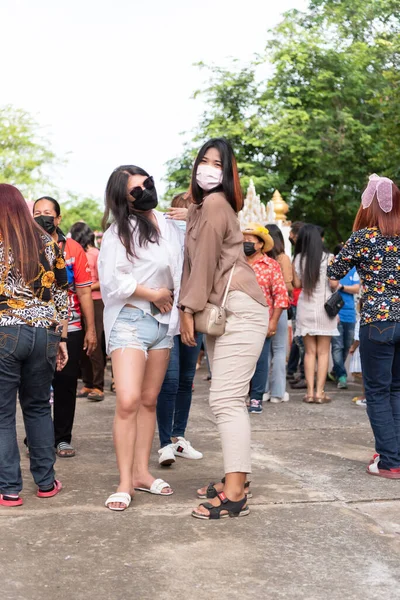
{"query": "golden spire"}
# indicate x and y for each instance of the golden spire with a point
(280, 206)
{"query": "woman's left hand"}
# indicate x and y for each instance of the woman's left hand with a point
(271, 329)
(62, 356)
(187, 329)
(177, 214)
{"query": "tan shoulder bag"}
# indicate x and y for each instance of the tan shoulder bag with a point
(212, 319)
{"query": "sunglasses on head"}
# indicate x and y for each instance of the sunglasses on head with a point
(137, 192)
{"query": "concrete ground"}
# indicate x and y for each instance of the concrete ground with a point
(320, 528)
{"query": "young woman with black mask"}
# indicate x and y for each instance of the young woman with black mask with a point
(47, 213)
(313, 323)
(140, 267)
(213, 251)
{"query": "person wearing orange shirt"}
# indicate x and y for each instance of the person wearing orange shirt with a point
(257, 242)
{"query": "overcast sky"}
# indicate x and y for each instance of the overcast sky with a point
(110, 81)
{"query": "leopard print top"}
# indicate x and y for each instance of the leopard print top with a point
(42, 302)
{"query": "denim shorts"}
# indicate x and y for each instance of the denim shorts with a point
(138, 330)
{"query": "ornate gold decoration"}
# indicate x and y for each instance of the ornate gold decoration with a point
(48, 279)
(60, 263)
(15, 303)
(280, 206)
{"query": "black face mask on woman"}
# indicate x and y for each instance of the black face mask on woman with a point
(46, 222)
(146, 199)
(249, 248)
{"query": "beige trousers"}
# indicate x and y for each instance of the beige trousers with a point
(233, 358)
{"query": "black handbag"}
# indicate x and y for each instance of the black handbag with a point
(334, 304)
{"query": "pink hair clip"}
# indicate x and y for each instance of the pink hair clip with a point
(382, 187)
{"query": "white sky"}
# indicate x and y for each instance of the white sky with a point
(111, 81)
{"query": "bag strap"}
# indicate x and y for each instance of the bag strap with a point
(228, 286)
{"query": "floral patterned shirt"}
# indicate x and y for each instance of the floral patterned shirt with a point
(377, 260)
(270, 280)
(39, 303)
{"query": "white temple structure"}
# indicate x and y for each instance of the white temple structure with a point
(255, 211)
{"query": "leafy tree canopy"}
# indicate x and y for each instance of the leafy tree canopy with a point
(26, 159)
(88, 210)
(24, 152)
(323, 118)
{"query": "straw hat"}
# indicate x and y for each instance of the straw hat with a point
(262, 233)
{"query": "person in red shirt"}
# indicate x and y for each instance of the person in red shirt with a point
(92, 367)
(257, 242)
(47, 213)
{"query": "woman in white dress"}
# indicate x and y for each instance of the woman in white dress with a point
(312, 322)
(140, 267)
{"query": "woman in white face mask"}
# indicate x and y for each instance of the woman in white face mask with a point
(214, 257)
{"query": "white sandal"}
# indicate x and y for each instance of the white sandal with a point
(121, 498)
(156, 488)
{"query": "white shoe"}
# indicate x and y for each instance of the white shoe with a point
(266, 397)
(184, 449)
(285, 398)
(166, 455)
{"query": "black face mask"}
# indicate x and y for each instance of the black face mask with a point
(145, 199)
(46, 222)
(291, 240)
(249, 248)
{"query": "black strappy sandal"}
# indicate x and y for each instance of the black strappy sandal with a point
(233, 509)
(213, 493)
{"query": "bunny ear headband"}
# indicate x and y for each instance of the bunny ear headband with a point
(382, 187)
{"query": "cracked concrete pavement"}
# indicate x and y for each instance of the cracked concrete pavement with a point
(320, 528)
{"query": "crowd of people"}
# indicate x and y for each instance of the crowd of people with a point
(162, 287)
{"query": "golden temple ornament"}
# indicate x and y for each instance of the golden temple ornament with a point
(280, 207)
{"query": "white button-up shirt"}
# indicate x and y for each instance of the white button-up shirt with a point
(155, 266)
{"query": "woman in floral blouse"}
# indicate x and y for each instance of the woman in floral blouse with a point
(374, 249)
(33, 317)
(257, 242)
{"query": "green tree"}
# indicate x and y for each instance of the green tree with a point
(87, 209)
(25, 154)
(323, 119)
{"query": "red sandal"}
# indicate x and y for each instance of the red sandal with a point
(5, 502)
(57, 487)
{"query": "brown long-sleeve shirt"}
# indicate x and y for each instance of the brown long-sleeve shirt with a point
(214, 243)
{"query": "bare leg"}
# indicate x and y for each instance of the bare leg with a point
(323, 350)
(156, 368)
(129, 369)
(310, 358)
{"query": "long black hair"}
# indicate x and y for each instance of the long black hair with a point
(81, 233)
(279, 242)
(230, 185)
(121, 209)
(311, 249)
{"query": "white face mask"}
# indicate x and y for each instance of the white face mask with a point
(208, 177)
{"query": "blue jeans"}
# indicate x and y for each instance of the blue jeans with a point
(260, 377)
(27, 364)
(341, 345)
(175, 398)
(277, 377)
(380, 359)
